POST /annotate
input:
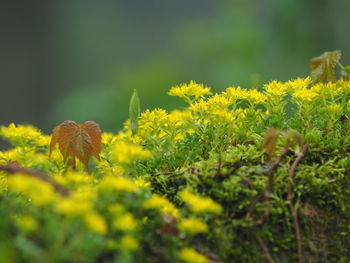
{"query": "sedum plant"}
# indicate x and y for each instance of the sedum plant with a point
(245, 175)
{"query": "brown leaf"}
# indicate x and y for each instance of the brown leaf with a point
(77, 140)
(270, 140)
(322, 67)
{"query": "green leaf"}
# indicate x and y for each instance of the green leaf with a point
(322, 67)
(134, 112)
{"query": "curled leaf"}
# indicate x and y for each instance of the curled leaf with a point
(270, 140)
(77, 140)
(322, 67)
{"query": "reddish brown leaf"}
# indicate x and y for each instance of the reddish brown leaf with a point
(322, 67)
(77, 140)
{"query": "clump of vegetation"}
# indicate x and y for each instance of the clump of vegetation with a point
(246, 175)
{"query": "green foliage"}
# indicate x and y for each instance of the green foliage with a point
(221, 180)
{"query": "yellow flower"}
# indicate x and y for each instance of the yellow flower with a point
(116, 209)
(129, 243)
(299, 83)
(235, 93)
(126, 222)
(335, 108)
(96, 223)
(199, 204)
(20, 133)
(27, 223)
(186, 91)
(200, 106)
(14, 154)
(78, 203)
(219, 102)
(108, 138)
(256, 97)
(73, 207)
(140, 182)
(118, 184)
(39, 192)
(304, 95)
(190, 255)
(192, 226)
(127, 153)
(276, 88)
(162, 204)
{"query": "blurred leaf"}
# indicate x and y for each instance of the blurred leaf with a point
(270, 140)
(294, 139)
(134, 111)
(77, 140)
(322, 67)
(345, 73)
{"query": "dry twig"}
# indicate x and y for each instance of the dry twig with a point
(290, 200)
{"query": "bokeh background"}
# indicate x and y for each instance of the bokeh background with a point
(80, 60)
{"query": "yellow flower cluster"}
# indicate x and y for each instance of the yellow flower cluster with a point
(96, 223)
(299, 83)
(125, 222)
(304, 95)
(118, 183)
(190, 255)
(126, 153)
(199, 204)
(186, 91)
(253, 96)
(38, 191)
(23, 134)
(192, 226)
(276, 88)
(27, 223)
(129, 243)
(162, 204)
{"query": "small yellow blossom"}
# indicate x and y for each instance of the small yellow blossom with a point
(79, 202)
(72, 207)
(116, 209)
(127, 242)
(20, 133)
(219, 102)
(140, 182)
(235, 93)
(27, 223)
(38, 191)
(256, 97)
(162, 204)
(96, 223)
(192, 226)
(186, 91)
(108, 138)
(118, 184)
(200, 106)
(304, 95)
(299, 83)
(336, 108)
(126, 153)
(199, 204)
(276, 88)
(126, 222)
(190, 255)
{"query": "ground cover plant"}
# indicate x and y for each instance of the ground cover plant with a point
(246, 175)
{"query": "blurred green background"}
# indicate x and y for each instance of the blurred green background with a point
(80, 60)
